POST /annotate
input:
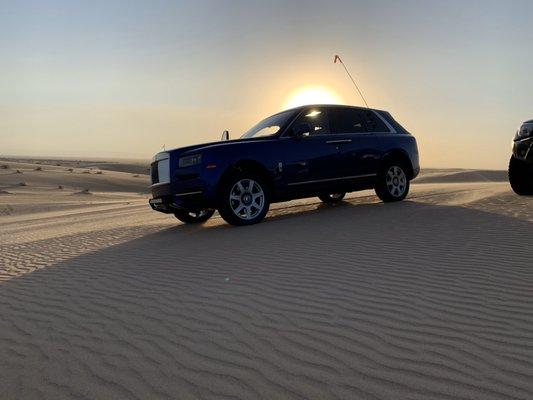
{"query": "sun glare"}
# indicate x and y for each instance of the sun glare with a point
(312, 95)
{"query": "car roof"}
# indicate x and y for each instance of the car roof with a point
(331, 105)
(529, 122)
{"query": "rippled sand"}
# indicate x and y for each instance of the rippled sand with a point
(430, 298)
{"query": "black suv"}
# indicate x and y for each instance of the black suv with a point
(521, 164)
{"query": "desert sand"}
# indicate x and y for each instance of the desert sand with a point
(101, 298)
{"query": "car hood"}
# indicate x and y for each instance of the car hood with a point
(211, 145)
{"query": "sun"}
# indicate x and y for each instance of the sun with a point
(312, 95)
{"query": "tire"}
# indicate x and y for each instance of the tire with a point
(194, 217)
(332, 198)
(392, 182)
(244, 199)
(520, 177)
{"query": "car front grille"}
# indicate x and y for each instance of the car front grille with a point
(160, 169)
(154, 173)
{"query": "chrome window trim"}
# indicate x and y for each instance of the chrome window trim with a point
(332, 179)
(334, 134)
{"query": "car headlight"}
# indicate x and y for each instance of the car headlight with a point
(525, 131)
(189, 161)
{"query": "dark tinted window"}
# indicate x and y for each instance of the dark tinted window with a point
(316, 118)
(373, 122)
(347, 120)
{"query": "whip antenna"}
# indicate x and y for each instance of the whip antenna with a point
(337, 58)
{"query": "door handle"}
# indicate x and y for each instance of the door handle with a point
(339, 141)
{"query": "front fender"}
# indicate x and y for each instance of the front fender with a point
(260, 156)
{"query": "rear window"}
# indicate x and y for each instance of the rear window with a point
(392, 122)
(373, 122)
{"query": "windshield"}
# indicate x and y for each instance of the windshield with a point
(269, 126)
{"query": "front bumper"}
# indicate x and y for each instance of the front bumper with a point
(191, 188)
(160, 204)
(187, 190)
(169, 204)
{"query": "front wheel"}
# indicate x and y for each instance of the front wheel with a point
(392, 182)
(244, 200)
(332, 198)
(194, 217)
(521, 177)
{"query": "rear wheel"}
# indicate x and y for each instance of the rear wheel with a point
(392, 182)
(521, 177)
(332, 198)
(244, 200)
(194, 217)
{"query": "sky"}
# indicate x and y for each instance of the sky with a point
(123, 79)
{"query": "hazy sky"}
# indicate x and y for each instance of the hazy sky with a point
(120, 79)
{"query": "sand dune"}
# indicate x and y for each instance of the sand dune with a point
(131, 166)
(426, 299)
(460, 176)
(52, 176)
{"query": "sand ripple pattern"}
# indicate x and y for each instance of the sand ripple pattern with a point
(44, 241)
(360, 301)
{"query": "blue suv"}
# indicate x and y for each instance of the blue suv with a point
(320, 150)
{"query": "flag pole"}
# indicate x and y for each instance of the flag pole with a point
(337, 58)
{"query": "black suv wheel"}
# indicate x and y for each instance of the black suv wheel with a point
(194, 217)
(244, 199)
(332, 198)
(521, 177)
(392, 183)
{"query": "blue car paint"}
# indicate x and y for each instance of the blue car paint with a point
(289, 163)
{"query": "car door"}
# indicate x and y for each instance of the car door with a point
(312, 159)
(360, 153)
(347, 125)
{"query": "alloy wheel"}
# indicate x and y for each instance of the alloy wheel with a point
(247, 199)
(396, 181)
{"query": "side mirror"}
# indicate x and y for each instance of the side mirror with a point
(301, 130)
(225, 135)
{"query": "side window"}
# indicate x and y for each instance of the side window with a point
(373, 122)
(316, 119)
(347, 120)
